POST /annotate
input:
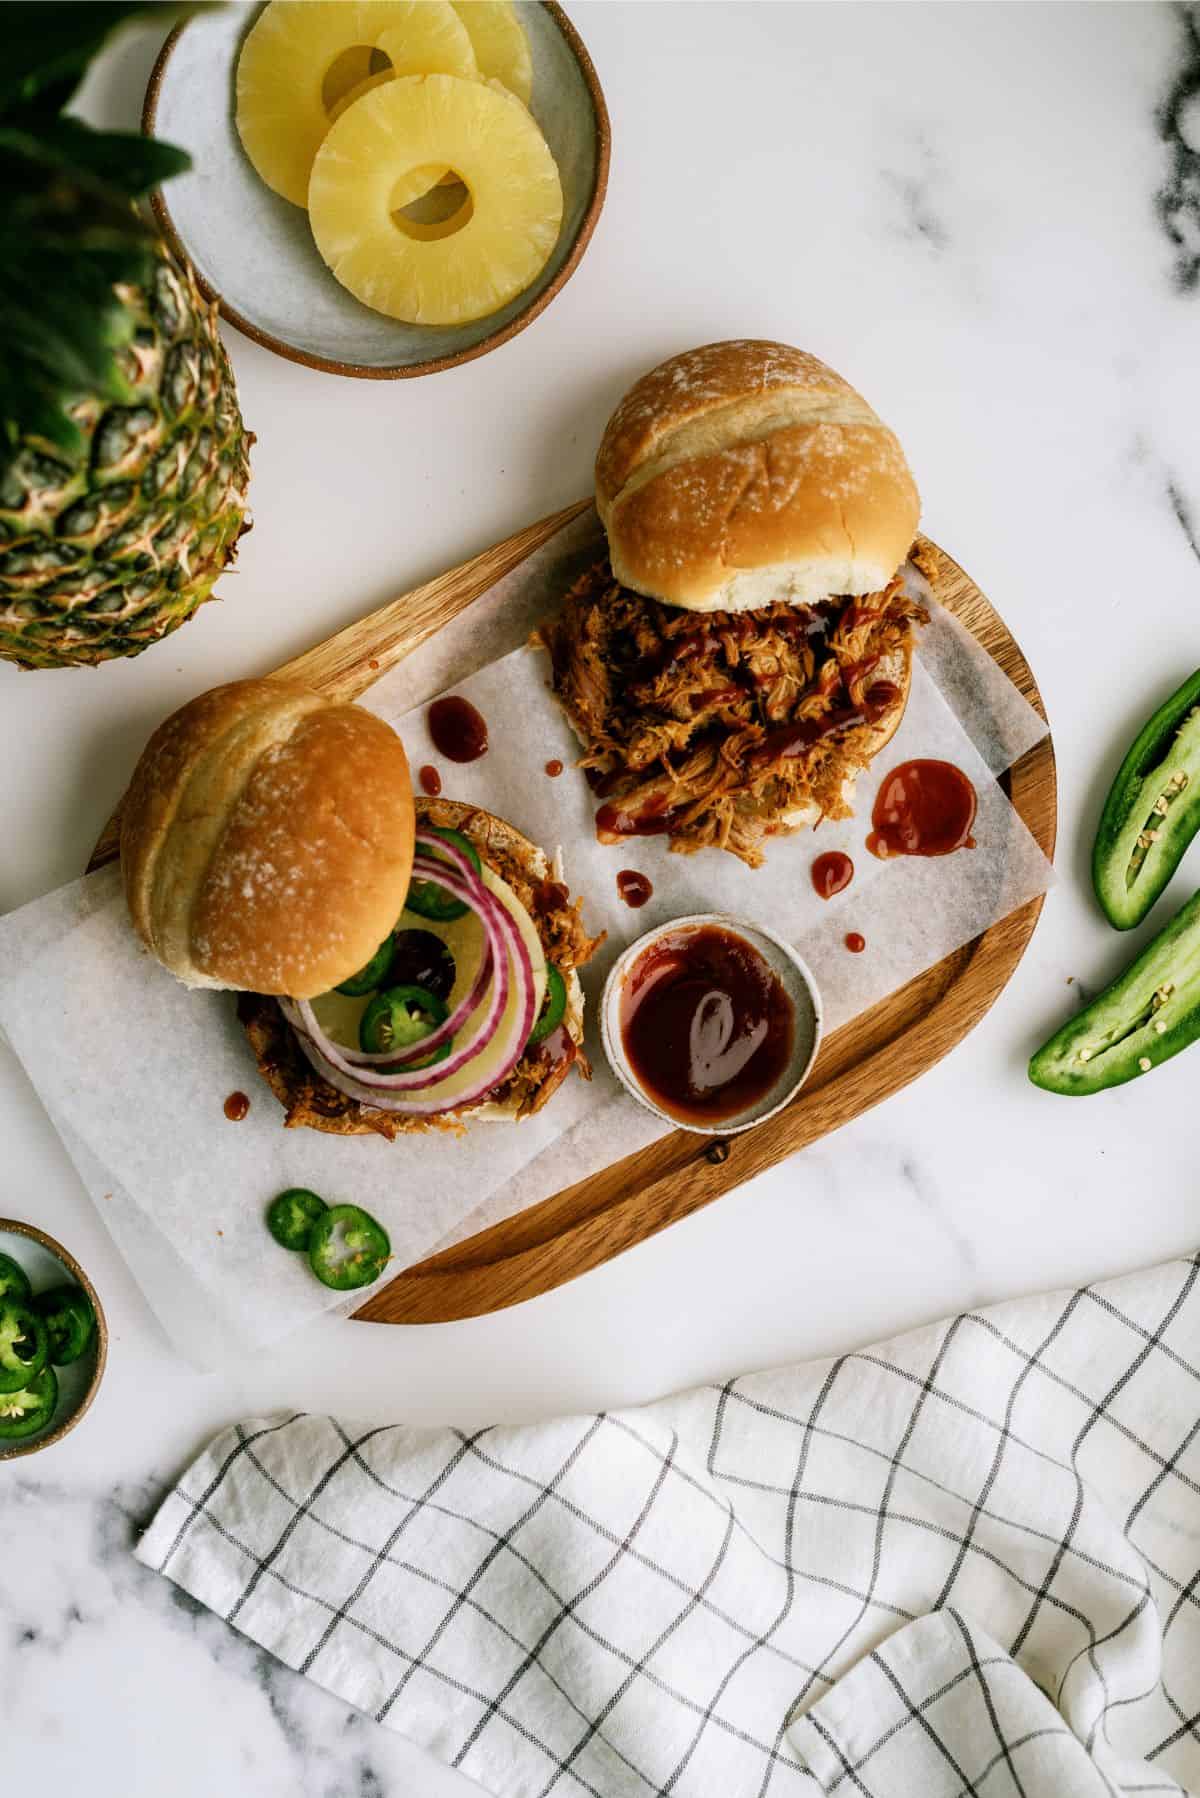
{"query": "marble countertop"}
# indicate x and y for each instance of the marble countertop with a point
(988, 217)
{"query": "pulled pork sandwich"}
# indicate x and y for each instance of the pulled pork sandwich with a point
(745, 647)
(402, 967)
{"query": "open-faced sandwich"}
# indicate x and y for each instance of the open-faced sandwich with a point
(402, 966)
(745, 648)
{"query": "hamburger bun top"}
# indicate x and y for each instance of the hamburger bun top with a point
(745, 472)
(267, 839)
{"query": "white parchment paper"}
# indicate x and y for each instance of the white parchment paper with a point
(133, 1069)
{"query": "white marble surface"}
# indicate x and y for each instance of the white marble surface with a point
(961, 207)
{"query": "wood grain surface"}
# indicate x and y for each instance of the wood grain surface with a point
(345, 665)
(867, 1060)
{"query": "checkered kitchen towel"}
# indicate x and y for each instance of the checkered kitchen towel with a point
(967, 1561)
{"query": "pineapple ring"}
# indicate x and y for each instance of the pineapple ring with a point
(366, 85)
(346, 73)
(282, 118)
(422, 179)
(378, 156)
(499, 42)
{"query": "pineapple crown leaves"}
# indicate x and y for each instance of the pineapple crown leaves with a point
(70, 232)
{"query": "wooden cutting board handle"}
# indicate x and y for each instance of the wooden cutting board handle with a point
(344, 666)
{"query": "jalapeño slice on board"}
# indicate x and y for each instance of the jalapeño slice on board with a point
(30, 1407)
(347, 1248)
(291, 1216)
(1152, 811)
(1147, 1015)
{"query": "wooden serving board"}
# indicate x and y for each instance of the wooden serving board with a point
(867, 1060)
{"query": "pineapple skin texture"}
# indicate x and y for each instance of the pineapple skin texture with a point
(103, 554)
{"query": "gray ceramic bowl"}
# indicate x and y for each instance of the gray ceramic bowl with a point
(254, 252)
(48, 1264)
(798, 983)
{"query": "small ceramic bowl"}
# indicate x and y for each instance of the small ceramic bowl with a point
(48, 1264)
(254, 253)
(798, 983)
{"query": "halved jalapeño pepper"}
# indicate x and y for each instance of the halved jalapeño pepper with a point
(24, 1344)
(400, 1017)
(1152, 811)
(1149, 1014)
(30, 1407)
(347, 1248)
(553, 1005)
(14, 1281)
(428, 899)
(372, 975)
(70, 1320)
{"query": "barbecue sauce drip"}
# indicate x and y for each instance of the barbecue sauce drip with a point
(634, 888)
(831, 873)
(855, 943)
(431, 781)
(799, 621)
(923, 808)
(554, 768)
(793, 739)
(550, 895)
(236, 1107)
(706, 1025)
(459, 732)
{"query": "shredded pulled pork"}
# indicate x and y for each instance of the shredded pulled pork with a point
(725, 728)
(310, 1100)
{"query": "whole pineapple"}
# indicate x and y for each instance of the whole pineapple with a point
(124, 462)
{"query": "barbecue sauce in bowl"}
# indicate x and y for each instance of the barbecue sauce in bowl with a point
(706, 1024)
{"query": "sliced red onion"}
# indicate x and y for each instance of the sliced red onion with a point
(389, 1060)
(363, 1066)
(359, 1074)
(437, 846)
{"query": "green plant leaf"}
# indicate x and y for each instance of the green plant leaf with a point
(48, 45)
(66, 240)
(124, 159)
(69, 232)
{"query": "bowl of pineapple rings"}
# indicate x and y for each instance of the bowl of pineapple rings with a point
(381, 188)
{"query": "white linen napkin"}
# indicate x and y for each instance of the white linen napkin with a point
(966, 1561)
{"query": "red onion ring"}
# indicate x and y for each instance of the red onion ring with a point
(362, 1066)
(365, 1076)
(389, 1060)
(436, 846)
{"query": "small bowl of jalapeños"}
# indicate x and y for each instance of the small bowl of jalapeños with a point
(53, 1340)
